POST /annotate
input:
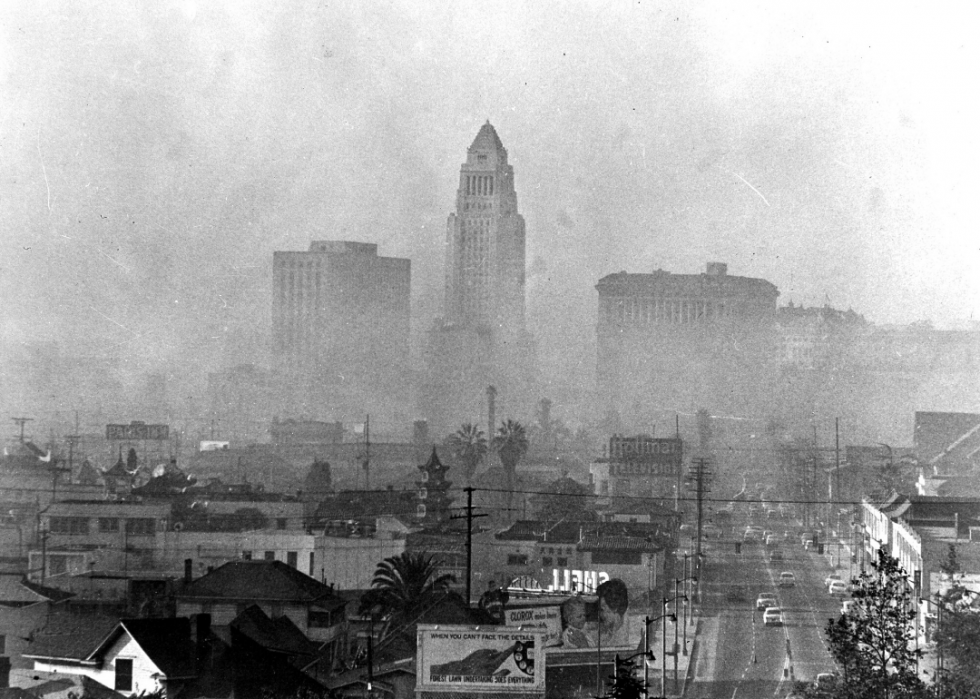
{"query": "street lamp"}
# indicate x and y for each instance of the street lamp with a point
(674, 617)
(687, 601)
(663, 648)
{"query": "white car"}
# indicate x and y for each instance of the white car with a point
(838, 587)
(766, 600)
(787, 579)
(773, 616)
(833, 577)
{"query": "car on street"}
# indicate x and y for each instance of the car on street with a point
(773, 616)
(766, 600)
(838, 588)
(787, 579)
(833, 577)
(776, 555)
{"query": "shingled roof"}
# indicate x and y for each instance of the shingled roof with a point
(260, 580)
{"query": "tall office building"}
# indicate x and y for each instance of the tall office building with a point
(340, 317)
(669, 343)
(482, 339)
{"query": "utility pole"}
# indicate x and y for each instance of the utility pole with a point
(469, 539)
(367, 452)
(697, 480)
(22, 421)
(72, 441)
(837, 497)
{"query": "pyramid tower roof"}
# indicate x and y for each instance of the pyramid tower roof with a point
(487, 138)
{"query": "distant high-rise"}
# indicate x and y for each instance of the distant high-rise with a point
(340, 318)
(669, 343)
(482, 339)
(485, 242)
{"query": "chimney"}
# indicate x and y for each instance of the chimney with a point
(188, 571)
(717, 269)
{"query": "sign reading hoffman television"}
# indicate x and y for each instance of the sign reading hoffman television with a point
(137, 431)
(644, 456)
(479, 659)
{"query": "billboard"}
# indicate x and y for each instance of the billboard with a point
(474, 659)
(137, 431)
(644, 456)
(546, 619)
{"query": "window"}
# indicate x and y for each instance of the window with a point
(141, 526)
(562, 562)
(616, 557)
(124, 674)
(546, 561)
(108, 524)
(269, 555)
(312, 568)
(517, 559)
(317, 619)
(246, 555)
(281, 523)
(3, 644)
(68, 525)
(291, 558)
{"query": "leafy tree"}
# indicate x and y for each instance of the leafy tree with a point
(951, 565)
(548, 433)
(958, 639)
(511, 444)
(468, 446)
(403, 588)
(625, 684)
(566, 498)
(873, 645)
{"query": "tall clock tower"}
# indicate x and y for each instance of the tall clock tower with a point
(481, 340)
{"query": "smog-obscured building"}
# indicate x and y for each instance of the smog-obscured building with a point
(341, 318)
(676, 342)
(482, 339)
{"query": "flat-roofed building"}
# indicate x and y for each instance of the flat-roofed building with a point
(341, 319)
(677, 342)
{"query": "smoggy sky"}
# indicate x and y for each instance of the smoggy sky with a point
(154, 155)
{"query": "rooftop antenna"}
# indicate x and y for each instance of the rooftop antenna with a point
(22, 421)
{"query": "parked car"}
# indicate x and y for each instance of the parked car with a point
(826, 682)
(773, 616)
(776, 555)
(838, 588)
(787, 579)
(848, 606)
(766, 600)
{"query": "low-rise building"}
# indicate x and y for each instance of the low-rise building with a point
(278, 589)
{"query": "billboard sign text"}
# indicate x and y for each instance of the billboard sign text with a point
(473, 659)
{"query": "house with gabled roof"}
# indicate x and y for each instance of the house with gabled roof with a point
(137, 656)
(278, 590)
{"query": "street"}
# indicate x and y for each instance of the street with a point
(749, 659)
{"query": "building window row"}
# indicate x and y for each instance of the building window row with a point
(674, 312)
(479, 185)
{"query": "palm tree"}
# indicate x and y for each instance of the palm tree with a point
(403, 588)
(468, 445)
(511, 444)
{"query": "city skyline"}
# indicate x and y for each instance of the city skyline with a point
(153, 171)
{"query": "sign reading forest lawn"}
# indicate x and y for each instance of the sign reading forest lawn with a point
(485, 659)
